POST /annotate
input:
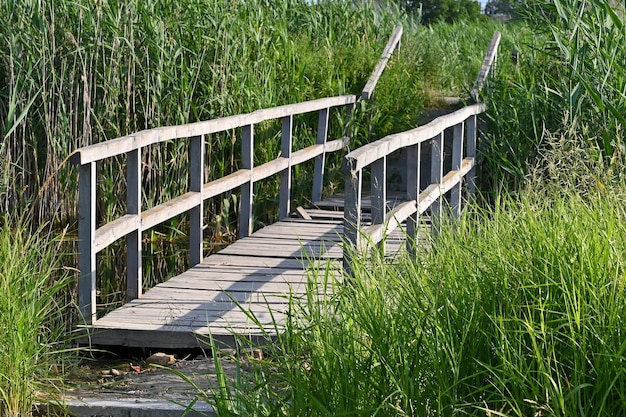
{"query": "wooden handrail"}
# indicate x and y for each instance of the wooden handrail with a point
(489, 62)
(392, 45)
(135, 221)
(463, 124)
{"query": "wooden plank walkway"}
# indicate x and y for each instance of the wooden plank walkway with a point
(254, 275)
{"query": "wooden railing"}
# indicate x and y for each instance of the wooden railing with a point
(373, 156)
(93, 239)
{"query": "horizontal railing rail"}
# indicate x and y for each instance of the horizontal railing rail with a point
(392, 45)
(131, 225)
(374, 155)
(488, 66)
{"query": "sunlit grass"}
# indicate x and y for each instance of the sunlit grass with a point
(31, 317)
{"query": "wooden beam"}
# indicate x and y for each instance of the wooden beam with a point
(196, 184)
(457, 155)
(471, 153)
(115, 230)
(379, 195)
(489, 61)
(413, 166)
(436, 174)
(286, 143)
(169, 209)
(318, 171)
(247, 188)
(134, 279)
(86, 234)
(393, 41)
(373, 151)
(351, 214)
(148, 137)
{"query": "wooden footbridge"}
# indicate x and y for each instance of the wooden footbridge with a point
(221, 293)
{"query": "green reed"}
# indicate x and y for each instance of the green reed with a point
(569, 77)
(31, 317)
(514, 310)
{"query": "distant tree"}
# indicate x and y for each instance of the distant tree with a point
(509, 7)
(443, 10)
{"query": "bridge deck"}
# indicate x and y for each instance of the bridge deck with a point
(254, 275)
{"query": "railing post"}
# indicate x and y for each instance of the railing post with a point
(457, 156)
(436, 175)
(318, 175)
(86, 234)
(413, 162)
(351, 214)
(247, 162)
(196, 183)
(134, 274)
(285, 175)
(379, 194)
(471, 153)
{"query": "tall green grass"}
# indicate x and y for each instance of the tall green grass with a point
(570, 77)
(80, 72)
(32, 286)
(514, 311)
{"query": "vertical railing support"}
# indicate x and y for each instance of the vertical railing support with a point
(436, 175)
(379, 194)
(471, 153)
(457, 156)
(134, 279)
(413, 162)
(86, 234)
(352, 214)
(247, 162)
(320, 160)
(196, 182)
(285, 175)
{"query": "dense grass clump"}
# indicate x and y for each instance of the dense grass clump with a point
(515, 311)
(570, 77)
(31, 326)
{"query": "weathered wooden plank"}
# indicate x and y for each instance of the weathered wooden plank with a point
(163, 339)
(393, 41)
(270, 168)
(413, 165)
(167, 210)
(227, 183)
(283, 252)
(377, 232)
(471, 153)
(353, 181)
(134, 270)
(182, 306)
(306, 154)
(166, 294)
(488, 62)
(366, 154)
(436, 175)
(286, 144)
(318, 170)
(247, 189)
(196, 184)
(457, 156)
(115, 230)
(86, 234)
(148, 137)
